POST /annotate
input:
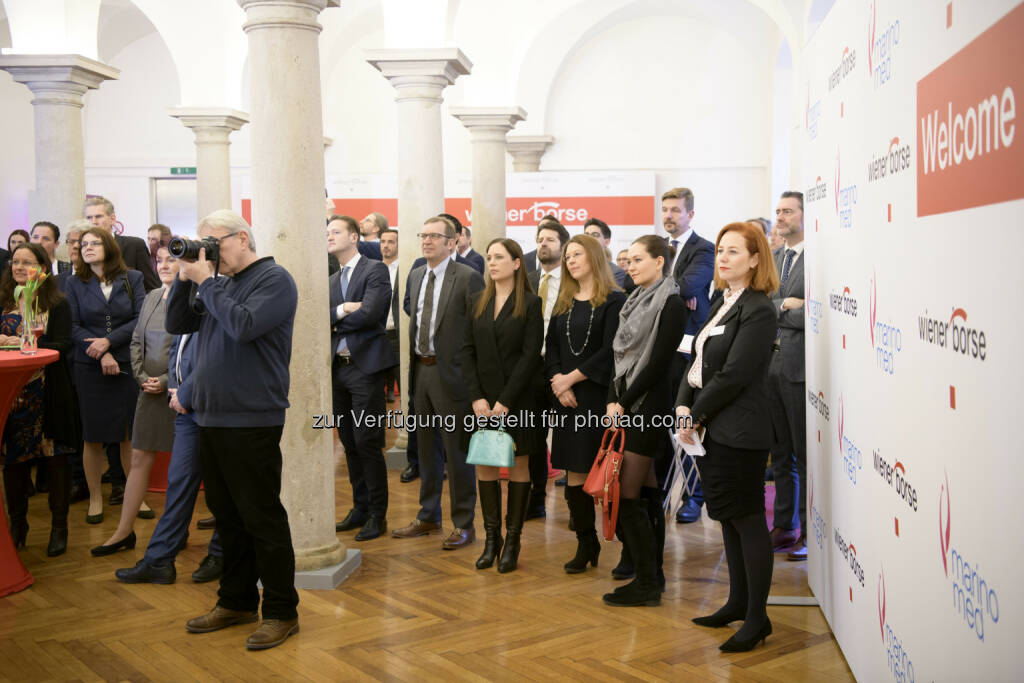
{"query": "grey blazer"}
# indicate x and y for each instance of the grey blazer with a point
(139, 342)
(791, 322)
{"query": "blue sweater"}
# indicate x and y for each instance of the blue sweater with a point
(242, 347)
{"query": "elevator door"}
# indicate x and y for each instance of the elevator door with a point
(176, 204)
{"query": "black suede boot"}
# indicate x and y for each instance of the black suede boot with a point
(59, 480)
(624, 569)
(588, 547)
(518, 495)
(636, 527)
(656, 513)
(17, 479)
(489, 495)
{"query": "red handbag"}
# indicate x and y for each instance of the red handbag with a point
(603, 481)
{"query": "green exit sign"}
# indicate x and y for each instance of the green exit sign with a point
(183, 170)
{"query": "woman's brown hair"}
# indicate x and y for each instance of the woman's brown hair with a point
(113, 264)
(521, 286)
(765, 277)
(48, 295)
(599, 269)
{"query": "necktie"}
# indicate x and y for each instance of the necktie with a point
(675, 246)
(543, 293)
(787, 264)
(342, 345)
(423, 333)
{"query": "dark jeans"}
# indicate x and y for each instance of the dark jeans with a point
(356, 392)
(242, 472)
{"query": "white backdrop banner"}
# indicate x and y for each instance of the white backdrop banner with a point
(913, 176)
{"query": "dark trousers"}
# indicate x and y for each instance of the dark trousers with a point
(241, 468)
(117, 475)
(789, 454)
(680, 361)
(357, 392)
(538, 455)
(432, 400)
(183, 478)
(392, 373)
(412, 449)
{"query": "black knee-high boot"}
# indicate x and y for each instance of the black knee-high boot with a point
(17, 478)
(59, 480)
(489, 494)
(656, 513)
(624, 569)
(636, 528)
(588, 547)
(735, 607)
(518, 495)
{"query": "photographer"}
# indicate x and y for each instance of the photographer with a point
(243, 323)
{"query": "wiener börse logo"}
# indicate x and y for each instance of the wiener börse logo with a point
(849, 552)
(968, 153)
(817, 402)
(975, 601)
(883, 39)
(886, 336)
(889, 162)
(847, 62)
(846, 198)
(895, 475)
(953, 334)
(816, 192)
(900, 665)
(812, 115)
(843, 302)
(853, 459)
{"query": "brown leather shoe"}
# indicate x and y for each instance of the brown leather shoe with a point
(208, 523)
(271, 633)
(218, 618)
(459, 538)
(783, 539)
(417, 528)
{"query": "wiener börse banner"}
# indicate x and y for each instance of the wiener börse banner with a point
(622, 199)
(913, 169)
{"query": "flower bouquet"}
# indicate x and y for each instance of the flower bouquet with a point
(32, 326)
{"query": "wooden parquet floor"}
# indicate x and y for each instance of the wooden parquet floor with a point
(412, 612)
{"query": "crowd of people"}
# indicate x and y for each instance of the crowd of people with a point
(704, 337)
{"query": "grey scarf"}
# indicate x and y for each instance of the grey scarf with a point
(638, 327)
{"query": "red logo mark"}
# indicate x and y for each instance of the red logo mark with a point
(810, 492)
(901, 468)
(846, 290)
(944, 532)
(840, 424)
(958, 313)
(881, 603)
(873, 306)
(892, 143)
(853, 550)
(871, 40)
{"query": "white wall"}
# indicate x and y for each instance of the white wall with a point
(17, 163)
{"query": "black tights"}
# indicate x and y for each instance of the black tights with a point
(637, 472)
(748, 551)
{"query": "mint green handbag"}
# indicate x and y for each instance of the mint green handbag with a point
(491, 447)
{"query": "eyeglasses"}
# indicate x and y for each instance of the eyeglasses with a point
(432, 236)
(91, 243)
(25, 264)
(220, 240)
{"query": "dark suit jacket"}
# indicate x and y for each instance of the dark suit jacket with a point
(460, 283)
(64, 267)
(93, 316)
(416, 264)
(60, 404)
(135, 253)
(733, 404)
(502, 356)
(791, 322)
(188, 356)
(5, 257)
(363, 329)
(531, 261)
(370, 250)
(694, 270)
(473, 260)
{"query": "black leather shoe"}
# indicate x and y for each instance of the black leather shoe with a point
(373, 528)
(116, 495)
(210, 569)
(410, 473)
(353, 520)
(689, 512)
(147, 573)
(58, 542)
(78, 493)
(126, 543)
(207, 523)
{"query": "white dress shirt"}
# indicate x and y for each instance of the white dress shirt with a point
(439, 272)
(351, 265)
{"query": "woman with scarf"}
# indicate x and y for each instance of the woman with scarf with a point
(650, 328)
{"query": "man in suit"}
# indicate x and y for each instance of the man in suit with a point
(47, 235)
(158, 235)
(546, 281)
(693, 268)
(599, 230)
(389, 252)
(100, 213)
(360, 298)
(786, 386)
(530, 257)
(440, 292)
(464, 248)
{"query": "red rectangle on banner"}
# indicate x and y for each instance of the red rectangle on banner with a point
(968, 154)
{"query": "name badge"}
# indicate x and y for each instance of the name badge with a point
(715, 331)
(686, 344)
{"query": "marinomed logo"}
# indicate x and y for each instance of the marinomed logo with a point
(853, 460)
(881, 48)
(886, 338)
(953, 334)
(843, 302)
(900, 665)
(812, 115)
(968, 153)
(817, 520)
(814, 308)
(846, 198)
(846, 64)
(895, 160)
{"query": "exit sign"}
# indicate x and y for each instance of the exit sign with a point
(183, 170)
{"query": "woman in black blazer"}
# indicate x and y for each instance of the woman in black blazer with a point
(723, 392)
(105, 299)
(651, 326)
(578, 365)
(501, 355)
(42, 421)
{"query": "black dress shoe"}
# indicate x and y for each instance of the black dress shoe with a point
(147, 573)
(353, 520)
(689, 512)
(126, 543)
(116, 495)
(78, 493)
(210, 569)
(410, 473)
(208, 523)
(373, 528)
(58, 542)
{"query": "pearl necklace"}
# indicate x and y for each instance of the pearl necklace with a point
(568, 324)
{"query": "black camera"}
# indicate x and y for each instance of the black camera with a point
(188, 250)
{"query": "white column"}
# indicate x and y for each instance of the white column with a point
(526, 151)
(288, 219)
(212, 127)
(58, 83)
(488, 127)
(419, 77)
